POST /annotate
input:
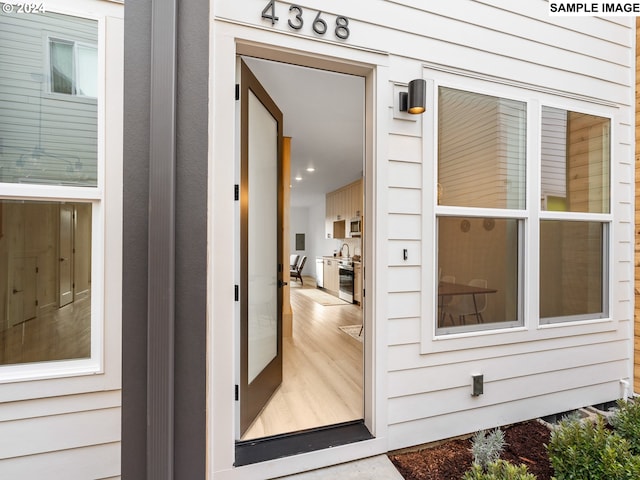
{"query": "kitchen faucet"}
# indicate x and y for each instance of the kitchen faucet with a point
(343, 245)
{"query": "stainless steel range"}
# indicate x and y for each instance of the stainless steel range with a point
(345, 271)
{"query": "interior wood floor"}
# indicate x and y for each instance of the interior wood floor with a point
(322, 370)
(59, 334)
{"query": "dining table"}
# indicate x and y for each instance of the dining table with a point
(448, 289)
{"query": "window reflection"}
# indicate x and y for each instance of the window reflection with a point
(575, 161)
(481, 150)
(45, 284)
(49, 121)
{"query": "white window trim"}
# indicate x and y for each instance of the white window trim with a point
(531, 328)
(94, 373)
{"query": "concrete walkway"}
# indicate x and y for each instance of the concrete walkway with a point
(374, 468)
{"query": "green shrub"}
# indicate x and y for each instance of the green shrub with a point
(499, 470)
(626, 422)
(486, 448)
(589, 451)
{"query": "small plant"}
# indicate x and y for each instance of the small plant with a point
(626, 422)
(499, 470)
(487, 447)
(589, 451)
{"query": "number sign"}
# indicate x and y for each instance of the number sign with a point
(296, 21)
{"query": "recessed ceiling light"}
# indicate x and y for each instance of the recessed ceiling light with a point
(311, 169)
(298, 178)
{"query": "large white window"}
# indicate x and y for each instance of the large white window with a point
(484, 210)
(51, 197)
(480, 211)
(574, 227)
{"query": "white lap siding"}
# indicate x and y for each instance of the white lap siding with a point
(506, 49)
(535, 372)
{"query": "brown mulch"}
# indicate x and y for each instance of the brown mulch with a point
(449, 461)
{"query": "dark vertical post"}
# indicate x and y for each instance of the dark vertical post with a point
(191, 239)
(137, 56)
(161, 301)
(165, 240)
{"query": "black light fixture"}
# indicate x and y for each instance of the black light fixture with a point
(414, 101)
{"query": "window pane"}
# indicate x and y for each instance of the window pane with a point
(45, 307)
(45, 137)
(62, 67)
(575, 161)
(87, 71)
(478, 272)
(571, 270)
(481, 150)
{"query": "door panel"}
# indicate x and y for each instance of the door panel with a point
(30, 287)
(261, 263)
(262, 223)
(16, 292)
(22, 290)
(65, 269)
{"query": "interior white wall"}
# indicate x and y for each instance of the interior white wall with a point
(310, 221)
(299, 223)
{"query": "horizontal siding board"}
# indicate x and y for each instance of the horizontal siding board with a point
(401, 331)
(404, 174)
(405, 357)
(457, 374)
(403, 305)
(403, 200)
(531, 20)
(610, 29)
(93, 462)
(416, 432)
(425, 405)
(19, 438)
(404, 227)
(404, 148)
(404, 279)
(43, 407)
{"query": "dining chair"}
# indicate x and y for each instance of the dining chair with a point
(296, 272)
(465, 305)
(447, 300)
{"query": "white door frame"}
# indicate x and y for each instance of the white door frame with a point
(222, 243)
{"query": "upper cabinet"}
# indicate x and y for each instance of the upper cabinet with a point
(343, 205)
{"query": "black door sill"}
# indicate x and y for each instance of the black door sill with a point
(285, 445)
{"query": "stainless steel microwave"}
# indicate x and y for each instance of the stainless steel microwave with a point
(355, 227)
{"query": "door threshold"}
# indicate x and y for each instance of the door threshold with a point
(295, 443)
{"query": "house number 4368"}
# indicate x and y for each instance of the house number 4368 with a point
(296, 21)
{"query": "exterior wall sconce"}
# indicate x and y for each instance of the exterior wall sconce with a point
(414, 101)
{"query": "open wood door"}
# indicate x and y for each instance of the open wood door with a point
(261, 262)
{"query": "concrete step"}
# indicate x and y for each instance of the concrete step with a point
(373, 468)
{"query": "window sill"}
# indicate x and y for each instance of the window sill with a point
(525, 335)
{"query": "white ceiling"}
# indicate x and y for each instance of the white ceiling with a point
(324, 116)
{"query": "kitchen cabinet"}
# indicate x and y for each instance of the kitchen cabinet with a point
(357, 282)
(331, 275)
(344, 203)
